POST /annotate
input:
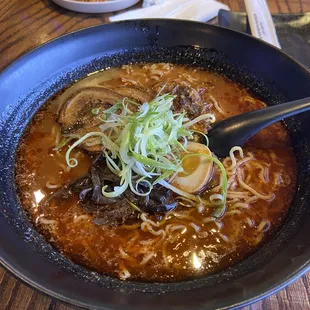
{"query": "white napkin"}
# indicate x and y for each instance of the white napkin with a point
(261, 22)
(198, 10)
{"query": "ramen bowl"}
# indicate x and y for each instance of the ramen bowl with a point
(270, 74)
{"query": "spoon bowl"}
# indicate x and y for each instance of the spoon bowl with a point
(237, 130)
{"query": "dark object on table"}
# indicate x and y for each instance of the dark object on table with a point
(293, 31)
(26, 85)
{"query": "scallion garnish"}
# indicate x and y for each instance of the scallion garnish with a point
(146, 143)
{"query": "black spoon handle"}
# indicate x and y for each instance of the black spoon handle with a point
(236, 130)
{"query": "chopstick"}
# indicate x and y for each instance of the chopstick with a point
(261, 22)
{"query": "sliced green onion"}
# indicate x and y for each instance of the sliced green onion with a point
(133, 205)
(146, 143)
(150, 162)
(118, 190)
(63, 143)
(203, 134)
(95, 111)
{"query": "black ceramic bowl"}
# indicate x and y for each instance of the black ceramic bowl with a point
(29, 82)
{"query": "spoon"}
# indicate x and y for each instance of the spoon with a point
(237, 130)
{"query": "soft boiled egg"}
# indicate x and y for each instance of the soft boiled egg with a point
(197, 170)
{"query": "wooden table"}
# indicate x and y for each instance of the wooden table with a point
(25, 24)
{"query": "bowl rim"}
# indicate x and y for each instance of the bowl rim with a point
(30, 282)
